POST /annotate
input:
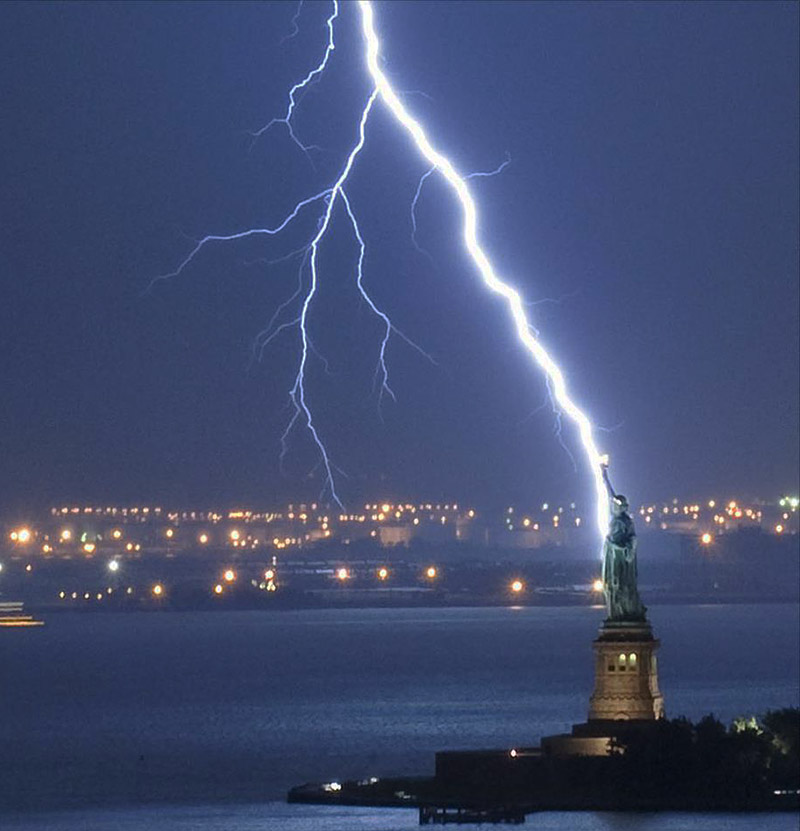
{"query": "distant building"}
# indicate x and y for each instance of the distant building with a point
(395, 535)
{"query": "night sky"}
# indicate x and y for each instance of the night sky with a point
(653, 194)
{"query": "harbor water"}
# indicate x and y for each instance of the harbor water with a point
(172, 721)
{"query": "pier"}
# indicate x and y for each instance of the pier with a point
(436, 815)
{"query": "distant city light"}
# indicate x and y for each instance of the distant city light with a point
(104, 540)
(512, 753)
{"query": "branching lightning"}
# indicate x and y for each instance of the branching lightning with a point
(436, 162)
(415, 201)
(250, 232)
(486, 173)
(381, 372)
(298, 391)
(295, 26)
(312, 76)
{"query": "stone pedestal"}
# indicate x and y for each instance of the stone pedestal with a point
(625, 674)
(626, 698)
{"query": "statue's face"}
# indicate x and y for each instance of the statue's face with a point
(620, 505)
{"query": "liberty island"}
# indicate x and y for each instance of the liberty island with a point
(626, 756)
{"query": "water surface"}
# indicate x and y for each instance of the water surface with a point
(172, 721)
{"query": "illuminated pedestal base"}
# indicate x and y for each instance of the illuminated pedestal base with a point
(626, 696)
(626, 674)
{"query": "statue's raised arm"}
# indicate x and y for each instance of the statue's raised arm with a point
(604, 468)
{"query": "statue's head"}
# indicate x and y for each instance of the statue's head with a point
(620, 504)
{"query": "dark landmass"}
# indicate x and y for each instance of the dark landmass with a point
(667, 765)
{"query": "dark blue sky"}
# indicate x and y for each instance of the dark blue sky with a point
(653, 190)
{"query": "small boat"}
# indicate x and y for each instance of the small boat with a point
(12, 614)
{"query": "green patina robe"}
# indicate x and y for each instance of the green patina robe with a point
(619, 568)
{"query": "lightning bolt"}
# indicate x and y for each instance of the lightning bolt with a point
(437, 163)
(458, 184)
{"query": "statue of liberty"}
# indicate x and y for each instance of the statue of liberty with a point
(619, 562)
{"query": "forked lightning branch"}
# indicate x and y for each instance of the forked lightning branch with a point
(325, 201)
